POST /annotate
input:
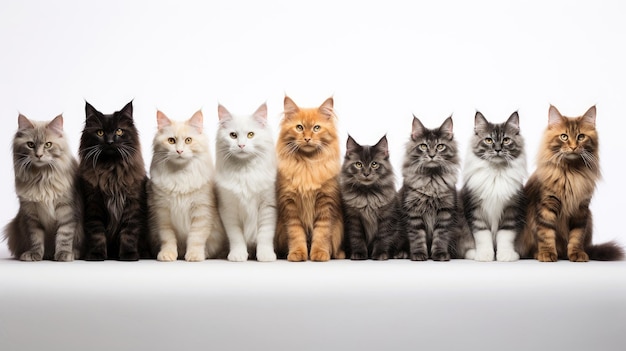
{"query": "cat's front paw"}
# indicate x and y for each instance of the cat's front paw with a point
(440, 256)
(297, 256)
(578, 256)
(484, 255)
(470, 254)
(64, 256)
(419, 256)
(383, 256)
(507, 255)
(129, 256)
(547, 256)
(238, 255)
(358, 255)
(167, 256)
(320, 256)
(265, 255)
(195, 256)
(96, 255)
(31, 256)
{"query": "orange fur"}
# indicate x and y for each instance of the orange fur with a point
(310, 218)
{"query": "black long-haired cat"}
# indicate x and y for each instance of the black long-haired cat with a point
(112, 182)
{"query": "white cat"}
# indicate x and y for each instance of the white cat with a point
(181, 195)
(246, 175)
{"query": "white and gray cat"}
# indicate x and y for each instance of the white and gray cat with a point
(48, 223)
(183, 217)
(246, 175)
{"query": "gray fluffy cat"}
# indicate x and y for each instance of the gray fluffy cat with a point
(47, 223)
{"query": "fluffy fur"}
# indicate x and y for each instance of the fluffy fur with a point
(370, 202)
(558, 219)
(181, 199)
(494, 175)
(431, 212)
(113, 185)
(47, 225)
(310, 218)
(246, 182)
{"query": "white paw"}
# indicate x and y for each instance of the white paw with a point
(167, 256)
(238, 255)
(195, 256)
(484, 256)
(507, 255)
(265, 255)
(470, 254)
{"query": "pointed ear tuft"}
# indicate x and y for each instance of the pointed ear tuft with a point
(417, 129)
(480, 123)
(554, 116)
(290, 107)
(512, 123)
(197, 121)
(223, 114)
(127, 111)
(162, 120)
(382, 146)
(326, 108)
(90, 111)
(260, 115)
(446, 128)
(56, 125)
(351, 145)
(24, 123)
(590, 116)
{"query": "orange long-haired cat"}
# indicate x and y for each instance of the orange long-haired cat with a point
(558, 218)
(310, 218)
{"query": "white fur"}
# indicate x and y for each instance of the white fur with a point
(245, 179)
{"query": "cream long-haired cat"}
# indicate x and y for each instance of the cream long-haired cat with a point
(245, 180)
(183, 212)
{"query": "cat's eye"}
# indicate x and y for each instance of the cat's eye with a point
(100, 133)
(299, 127)
(316, 128)
(358, 165)
(119, 132)
(423, 147)
(188, 141)
(506, 140)
(47, 145)
(171, 141)
(488, 141)
(250, 135)
(441, 147)
(30, 144)
(374, 165)
(233, 135)
(581, 137)
(564, 137)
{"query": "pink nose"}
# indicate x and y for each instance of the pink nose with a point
(179, 151)
(241, 146)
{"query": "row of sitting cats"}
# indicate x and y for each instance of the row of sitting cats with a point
(294, 198)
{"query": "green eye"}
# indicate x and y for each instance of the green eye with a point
(188, 141)
(441, 147)
(171, 141)
(316, 128)
(374, 165)
(30, 144)
(233, 135)
(488, 141)
(119, 132)
(564, 137)
(47, 145)
(423, 147)
(299, 127)
(358, 165)
(250, 135)
(506, 141)
(100, 133)
(581, 137)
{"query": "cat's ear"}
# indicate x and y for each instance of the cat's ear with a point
(382, 146)
(327, 108)
(290, 106)
(162, 120)
(90, 111)
(590, 116)
(554, 116)
(196, 121)
(446, 128)
(352, 145)
(260, 115)
(481, 125)
(56, 125)
(24, 123)
(512, 124)
(127, 111)
(223, 114)
(417, 129)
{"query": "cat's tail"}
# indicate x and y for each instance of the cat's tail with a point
(610, 251)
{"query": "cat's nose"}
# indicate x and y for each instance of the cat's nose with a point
(307, 139)
(241, 146)
(179, 151)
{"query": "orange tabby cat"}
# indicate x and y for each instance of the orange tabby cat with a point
(310, 218)
(558, 218)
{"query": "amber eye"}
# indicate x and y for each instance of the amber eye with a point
(171, 141)
(488, 141)
(564, 137)
(188, 141)
(423, 147)
(374, 165)
(358, 165)
(299, 127)
(316, 128)
(506, 141)
(119, 132)
(233, 135)
(47, 145)
(30, 144)
(100, 133)
(581, 137)
(441, 147)
(250, 135)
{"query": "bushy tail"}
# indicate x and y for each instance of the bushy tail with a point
(610, 251)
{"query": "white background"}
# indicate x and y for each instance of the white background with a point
(381, 60)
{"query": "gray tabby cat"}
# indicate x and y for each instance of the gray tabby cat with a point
(47, 223)
(431, 212)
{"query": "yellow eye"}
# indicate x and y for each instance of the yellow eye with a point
(374, 165)
(423, 147)
(233, 135)
(299, 127)
(30, 144)
(188, 141)
(316, 128)
(358, 165)
(441, 147)
(581, 137)
(47, 145)
(100, 133)
(119, 132)
(171, 141)
(564, 137)
(506, 141)
(250, 135)
(488, 141)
